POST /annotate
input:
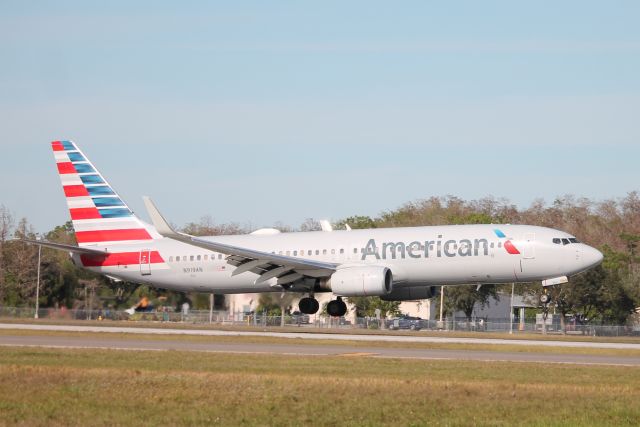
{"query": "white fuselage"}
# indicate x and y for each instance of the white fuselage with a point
(417, 256)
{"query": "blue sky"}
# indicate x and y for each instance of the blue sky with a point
(256, 113)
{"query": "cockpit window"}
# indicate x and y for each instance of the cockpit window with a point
(574, 240)
(565, 241)
(557, 241)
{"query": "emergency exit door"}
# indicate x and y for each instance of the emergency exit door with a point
(145, 262)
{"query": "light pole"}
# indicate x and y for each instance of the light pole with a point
(38, 282)
(511, 315)
(211, 307)
(441, 301)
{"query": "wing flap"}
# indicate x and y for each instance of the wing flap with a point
(244, 259)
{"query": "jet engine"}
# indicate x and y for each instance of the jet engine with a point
(362, 281)
(410, 293)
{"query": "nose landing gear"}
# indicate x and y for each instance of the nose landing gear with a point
(545, 298)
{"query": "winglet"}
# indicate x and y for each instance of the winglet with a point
(158, 220)
(325, 225)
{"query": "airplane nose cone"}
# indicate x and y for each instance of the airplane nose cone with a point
(591, 257)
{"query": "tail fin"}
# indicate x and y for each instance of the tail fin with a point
(99, 215)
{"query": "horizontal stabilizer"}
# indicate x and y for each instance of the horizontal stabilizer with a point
(63, 247)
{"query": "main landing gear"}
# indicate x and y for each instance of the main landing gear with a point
(308, 305)
(337, 308)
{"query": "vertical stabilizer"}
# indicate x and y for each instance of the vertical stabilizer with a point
(100, 217)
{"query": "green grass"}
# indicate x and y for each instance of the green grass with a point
(109, 387)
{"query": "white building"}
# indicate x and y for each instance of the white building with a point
(425, 309)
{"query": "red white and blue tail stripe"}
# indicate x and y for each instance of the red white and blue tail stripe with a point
(100, 217)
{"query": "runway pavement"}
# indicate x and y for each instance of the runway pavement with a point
(321, 336)
(302, 349)
(298, 348)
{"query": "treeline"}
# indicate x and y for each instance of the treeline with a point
(608, 294)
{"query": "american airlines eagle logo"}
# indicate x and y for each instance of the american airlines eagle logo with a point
(508, 245)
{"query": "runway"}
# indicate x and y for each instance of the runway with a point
(300, 348)
(321, 336)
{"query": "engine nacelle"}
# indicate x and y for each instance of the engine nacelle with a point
(411, 293)
(362, 281)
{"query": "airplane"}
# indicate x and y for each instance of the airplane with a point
(395, 264)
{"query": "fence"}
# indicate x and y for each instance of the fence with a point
(504, 326)
(320, 321)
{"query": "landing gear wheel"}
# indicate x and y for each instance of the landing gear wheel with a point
(309, 305)
(337, 308)
(545, 299)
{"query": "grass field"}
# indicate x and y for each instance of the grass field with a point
(110, 387)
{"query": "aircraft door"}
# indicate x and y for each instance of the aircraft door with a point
(527, 261)
(528, 249)
(145, 262)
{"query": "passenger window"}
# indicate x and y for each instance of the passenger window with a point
(557, 241)
(309, 252)
(288, 253)
(199, 258)
(219, 256)
(333, 251)
(191, 258)
(491, 245)
(565, 241)
(206, 257)
(170, 259)
(324, 252)
(499, 245)
(355, 250)
(295, 253)
(317, 251)
(341, 251)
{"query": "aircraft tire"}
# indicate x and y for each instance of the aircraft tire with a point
(337, 308)
(309, 305)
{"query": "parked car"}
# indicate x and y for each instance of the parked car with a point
(299, 318)
(405, 322)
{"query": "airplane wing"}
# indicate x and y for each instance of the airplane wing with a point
(63, 247)
(285, 269)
